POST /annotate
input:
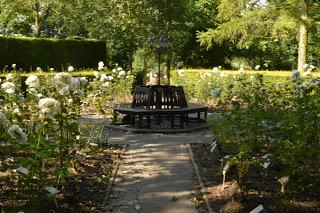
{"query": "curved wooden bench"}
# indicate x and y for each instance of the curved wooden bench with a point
(158, 101)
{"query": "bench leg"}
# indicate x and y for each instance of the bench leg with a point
(133, 120)
(205, 115)
(159, 119)
(115, 117)
(198, 117)
(172, 121)
(187, 119)
(140, 121)
(149, 122)
(181, 120)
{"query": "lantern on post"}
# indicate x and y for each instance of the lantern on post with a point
(160, 48)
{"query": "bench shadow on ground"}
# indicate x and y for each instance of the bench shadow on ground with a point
(161, 126)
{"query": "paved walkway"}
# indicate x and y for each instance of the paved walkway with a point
(156, 175)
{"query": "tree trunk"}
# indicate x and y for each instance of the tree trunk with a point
(303, 36)
(131, 51)
(36, 10)
(37, 25)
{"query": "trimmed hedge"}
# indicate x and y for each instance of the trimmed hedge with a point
(29, 53)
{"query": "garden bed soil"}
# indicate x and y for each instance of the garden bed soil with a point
(229, 200)
(85, 190)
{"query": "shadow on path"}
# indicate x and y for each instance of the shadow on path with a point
(156, 175)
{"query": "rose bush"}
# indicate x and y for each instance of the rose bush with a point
(267, 125)
(40, 124)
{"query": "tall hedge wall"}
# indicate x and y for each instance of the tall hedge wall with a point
(29, 53)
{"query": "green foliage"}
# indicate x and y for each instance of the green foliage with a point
(46, 126)
(108, 88)
(263, 114)
(126, 25)
(271, 118)
(246, 23)
(143, 62)
(45, 53)
(40, 130)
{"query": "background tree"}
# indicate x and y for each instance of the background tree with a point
(19, 14)
(266, 32)
(249, 21)
(169, 18)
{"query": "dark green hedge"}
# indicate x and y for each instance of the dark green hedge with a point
(29, 53)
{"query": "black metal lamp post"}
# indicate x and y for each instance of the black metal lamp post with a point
(163, 41)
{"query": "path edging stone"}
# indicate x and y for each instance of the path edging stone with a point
(114, 175)
(203, 189)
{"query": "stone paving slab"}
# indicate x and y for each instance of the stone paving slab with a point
(157, 178)
(156, 175)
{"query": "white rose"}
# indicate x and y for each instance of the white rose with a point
(96, 74)
(48, 106)
(83, 80)
(9, 77)
(100, 65)
(64, 90)
(103, 77)
(241, 70)
(207, 74)
(181, 72)
(33, 81)
(106, 84)
(8, 87)
(70, 69)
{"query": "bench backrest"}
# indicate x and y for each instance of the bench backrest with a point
(142, 97)
(159, 97)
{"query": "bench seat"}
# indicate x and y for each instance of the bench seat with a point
(141, 112)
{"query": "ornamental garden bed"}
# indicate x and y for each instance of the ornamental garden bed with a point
(265, 191)
(85, 189)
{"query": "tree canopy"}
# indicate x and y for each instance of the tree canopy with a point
(262, 31)
(245, 22)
